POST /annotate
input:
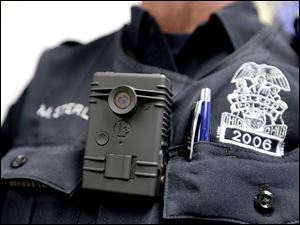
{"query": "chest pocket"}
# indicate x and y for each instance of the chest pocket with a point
(56, 166)
(232, 185)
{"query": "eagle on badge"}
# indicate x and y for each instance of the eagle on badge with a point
(265, 80)
(262, 80)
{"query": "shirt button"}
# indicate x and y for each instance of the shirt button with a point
(18, 161)
(264, 202)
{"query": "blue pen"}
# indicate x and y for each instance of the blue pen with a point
(200, 129)
(204, 116)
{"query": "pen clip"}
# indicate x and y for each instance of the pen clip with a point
(195, 120)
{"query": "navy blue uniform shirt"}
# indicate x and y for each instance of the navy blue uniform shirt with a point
(247, 173)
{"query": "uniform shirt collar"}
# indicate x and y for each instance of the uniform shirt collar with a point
(144, 40)
(232, 27)
(241, 22)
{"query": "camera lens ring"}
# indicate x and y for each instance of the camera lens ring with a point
(122, 100)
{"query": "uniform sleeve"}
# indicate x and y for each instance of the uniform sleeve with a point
(9, 128)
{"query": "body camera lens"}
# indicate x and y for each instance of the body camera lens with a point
(122, 100)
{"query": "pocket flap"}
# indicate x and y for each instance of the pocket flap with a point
(58, 167)
(222, 183)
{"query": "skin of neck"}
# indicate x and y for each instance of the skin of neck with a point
(182, 16)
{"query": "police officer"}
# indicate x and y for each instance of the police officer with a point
(247, 173)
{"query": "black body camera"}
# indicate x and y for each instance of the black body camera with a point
(129, 130)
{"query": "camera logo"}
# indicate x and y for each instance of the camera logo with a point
(122, 128)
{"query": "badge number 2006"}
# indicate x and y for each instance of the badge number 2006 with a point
(255, 121)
